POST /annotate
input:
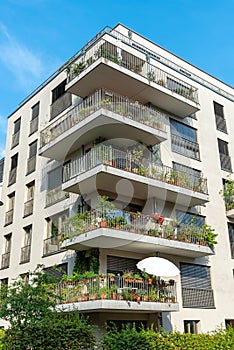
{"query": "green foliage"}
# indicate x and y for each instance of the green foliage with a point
(23, 303)
(209, 235)
(228, 193)
(148, 339)
(2, 333)
(69, 332)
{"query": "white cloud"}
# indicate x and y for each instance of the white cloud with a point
(21, 61)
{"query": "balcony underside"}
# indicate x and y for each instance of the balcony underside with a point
(118, 306)
(104, 73)
(106, 178)
(108, 238)
(100, 124)
(230, 213)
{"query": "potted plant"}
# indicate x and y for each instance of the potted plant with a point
(113, 290)
(104, 207)
(128, 276)
(111, 277)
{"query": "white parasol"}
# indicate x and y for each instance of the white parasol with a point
(158, 266)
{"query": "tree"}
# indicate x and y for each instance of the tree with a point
(34, 321)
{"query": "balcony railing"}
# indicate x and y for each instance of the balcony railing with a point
(105, 49)
(31, 165)
(9, 217)
(12, 176)
(15, 139)
(220, 123)
(117, 288)
(151, 225)
(51, 245)
(186, 147)
(5, 260)
(28, 207)
(33, 125)
(55, 195)
(110, 101)
(25, 254)
(225, 162)
(126, 160)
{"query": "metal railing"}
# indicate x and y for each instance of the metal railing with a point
(28, 207)
(107, 50)
(225, 162)
(15, 139)
(55, 195)
(110, 101)
(51, 245)
(117, 288)
(33, 125)
(9, 217)
(5, 260)
(31, 164)
(186, 147)
(25, 254)
(12, 176)
(151, 225)
(126, 160)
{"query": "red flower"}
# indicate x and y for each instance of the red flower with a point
(159, 218)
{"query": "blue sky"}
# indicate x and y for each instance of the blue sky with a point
(38, 36)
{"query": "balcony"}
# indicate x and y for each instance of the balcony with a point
(5, 260)
(101, 294)
(230, 208)
(135, 232)
(128, 71)
(55, 195)
(9, 217)
(28, 207)
(103, 112)
(25, 254)
(104, 166)
(51, 245)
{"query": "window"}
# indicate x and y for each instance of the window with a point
(10, 212)
(13, 170)
(56, 223)
(6, 255)
(15, 136)
(54, 192)
(26, 249)
(31, 165)
(58, 91)
(187, 218)
(191, 326)
(1, 169)
(28, 205)
(184, 139)
(231, 238)
(225, 159)
(60, 100)
(192, 177)
(196, 286)
(219, 117)
(34, 120)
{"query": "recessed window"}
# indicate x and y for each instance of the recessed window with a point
(231, 238)
(219, 117)
(225, 159)
(60, 100)
(184, 139)
(15, 136)
(31, 164)
(191, 326)
(34, 119)
(58, 91)
(13, 170)
(26, 248)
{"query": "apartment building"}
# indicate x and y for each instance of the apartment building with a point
(126, 119)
